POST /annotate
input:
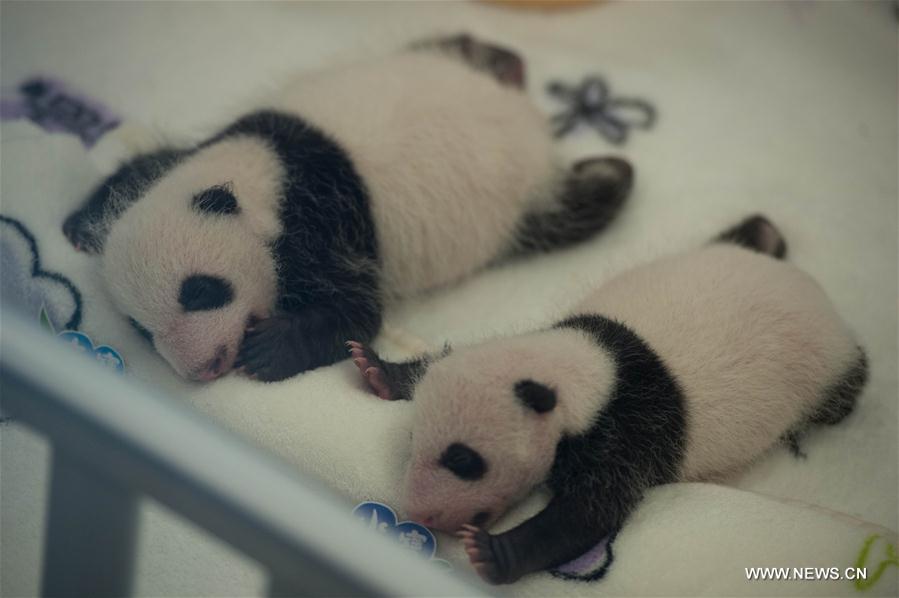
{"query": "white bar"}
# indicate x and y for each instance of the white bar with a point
(302, 533)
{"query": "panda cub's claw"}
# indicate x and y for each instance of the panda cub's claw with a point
(370, 366)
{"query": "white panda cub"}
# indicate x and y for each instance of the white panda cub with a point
(269, 244)
(679, 370)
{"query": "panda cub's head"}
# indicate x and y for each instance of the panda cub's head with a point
(488, 419)
(190, 263)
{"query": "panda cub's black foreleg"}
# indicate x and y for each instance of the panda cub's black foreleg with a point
(86, 227)
(561, 532)
(288, 343)
(591, 197)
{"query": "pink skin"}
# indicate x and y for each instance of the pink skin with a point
(223, 361)
(373, 375)
(217, 366)
(467, 534)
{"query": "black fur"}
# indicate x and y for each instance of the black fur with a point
(598, 477)
(535, 396)
(85, 228)
(593, 195)
(792, 440)
(837, 402)
(327, 255)
(840, 397)
(216, 200)
(758, 234)
(465, 462)
(201, 292)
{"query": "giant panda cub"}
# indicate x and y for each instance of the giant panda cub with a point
(686, 368)
(269, 244)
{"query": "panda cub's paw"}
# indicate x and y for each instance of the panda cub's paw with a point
(372, 369)
(274, 350)
(483, 554)
(79, 230)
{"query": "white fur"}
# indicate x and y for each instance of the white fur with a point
(469, 397)
(160, 240)
(753, 342)
(450, 157)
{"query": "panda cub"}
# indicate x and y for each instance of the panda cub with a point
(678, 370)
(269, 244)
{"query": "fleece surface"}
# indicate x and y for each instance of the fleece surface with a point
(788, 109)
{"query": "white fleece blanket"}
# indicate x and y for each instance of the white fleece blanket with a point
(787, 109)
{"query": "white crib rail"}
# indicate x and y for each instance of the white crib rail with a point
(115, 441)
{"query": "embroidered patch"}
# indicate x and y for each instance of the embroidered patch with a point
(590, 566)
(104, 354)
(413, 536)
(25, 285)
(591, 103)
(56, 108)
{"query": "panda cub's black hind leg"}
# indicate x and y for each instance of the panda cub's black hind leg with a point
(591, 197)
(758, 234)
(837, 402)
(840, 398)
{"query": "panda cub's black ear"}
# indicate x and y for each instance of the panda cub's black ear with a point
(538, 397)
(216, 200)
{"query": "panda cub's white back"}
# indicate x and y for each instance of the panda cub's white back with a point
(753, 342)
(434, 167)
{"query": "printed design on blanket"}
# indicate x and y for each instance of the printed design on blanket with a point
(892, 559)
(78, 341)
(56, 108)
(590, 566)
(49, 296)
(408, 534)
(25, 285)
(591, 103)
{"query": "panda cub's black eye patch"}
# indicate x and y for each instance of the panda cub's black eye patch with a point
(141, 330)
(216, 200)
(201, 292)
(463, 461)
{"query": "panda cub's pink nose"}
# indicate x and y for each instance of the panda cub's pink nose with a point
(216, 366)
(426, 519)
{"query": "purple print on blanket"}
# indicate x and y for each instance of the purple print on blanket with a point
(590, 566)
(56, 108)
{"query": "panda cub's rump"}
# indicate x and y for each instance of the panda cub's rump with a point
(269, 244)
(682, 369)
